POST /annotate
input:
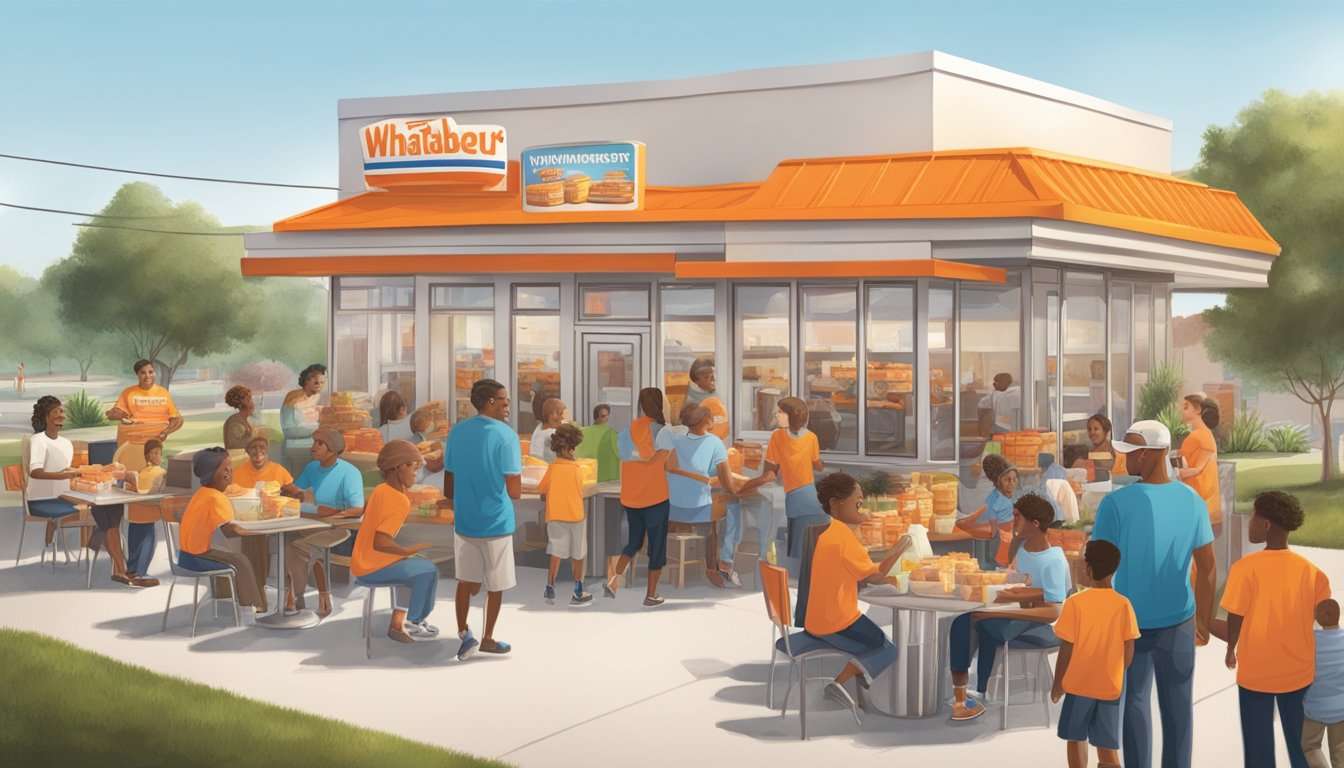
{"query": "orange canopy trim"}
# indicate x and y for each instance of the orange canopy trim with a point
(960, 184)
(458, 263)
(878, 268)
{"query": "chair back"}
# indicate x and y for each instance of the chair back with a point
(775, 585)
(14, 478)
(171, 540)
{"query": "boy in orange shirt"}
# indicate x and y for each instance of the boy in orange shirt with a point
(1270, 599)
(567, 536)
(1097, 629)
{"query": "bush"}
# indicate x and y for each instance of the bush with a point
(1288, 438)
(82, 411)
(1162, 390)
(1171, 419)
(875, 485)
(266, 376)
(1247, 434)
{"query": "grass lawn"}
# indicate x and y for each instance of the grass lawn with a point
(66, 706)
(1324, 504)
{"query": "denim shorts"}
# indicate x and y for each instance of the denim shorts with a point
(1092, 720)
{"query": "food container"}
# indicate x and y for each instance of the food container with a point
(944, 525)
(246, 509)
(929, 588)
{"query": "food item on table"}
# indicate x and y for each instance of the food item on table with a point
(364, 440)
(545, 194)
(589, 467)
(235, 490)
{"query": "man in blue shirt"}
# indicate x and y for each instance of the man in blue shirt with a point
(1160, 526)
(483, 475)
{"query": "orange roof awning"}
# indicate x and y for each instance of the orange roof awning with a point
(804, 269)
(961, 184)
(458, 263)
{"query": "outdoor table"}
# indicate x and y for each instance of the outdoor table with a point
(596, 510)
(912, 686)
(118, 497)
(277, 619)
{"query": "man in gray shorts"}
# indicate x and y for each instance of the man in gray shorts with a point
(483, 474)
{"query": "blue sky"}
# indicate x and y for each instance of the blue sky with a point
(248, 90)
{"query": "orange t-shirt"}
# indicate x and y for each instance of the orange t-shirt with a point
(563, 486)
(1206, 482)
(794, 457)
(1275, 592)
(385, 512)
(248, 476)
(1098, 622)
(206, 511)
(718, 416)
(838, 564)
(153, 405)
(643, 485)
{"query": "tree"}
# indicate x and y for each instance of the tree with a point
(170, 296)
(1284, 156)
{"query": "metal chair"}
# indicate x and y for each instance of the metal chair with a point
(367, 622)
(179, 571)
(16, 479)
(799, 647)
(1000, 676)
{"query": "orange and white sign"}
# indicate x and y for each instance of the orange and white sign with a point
(433, 151)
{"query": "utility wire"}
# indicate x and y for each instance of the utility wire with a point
(115, 226)
(159, 231)
(77, 213)
(166, 175)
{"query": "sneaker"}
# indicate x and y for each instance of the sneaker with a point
(468, 647)
(653, 602)
(731, 577)
(607, 589)
(549, 594)
(581, 598)
(970, 710)
(837, 693)
(421, 629)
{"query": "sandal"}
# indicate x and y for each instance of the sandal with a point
(121, 579)
(142, 581)
(399, 635)
(653, 602)
(714, 578)
(497, 646)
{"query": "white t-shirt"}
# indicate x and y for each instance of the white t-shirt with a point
(541, 444)
(1005, 406)
(398, 430)
(48, 455)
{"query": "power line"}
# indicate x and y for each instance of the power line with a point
(78, 213)
(166, 175)
(159, 231)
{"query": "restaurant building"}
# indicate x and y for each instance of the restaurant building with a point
(881, 238)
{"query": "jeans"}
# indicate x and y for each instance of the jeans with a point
(992, 635)
(414, 574)
(52, 509)
(140, 542)
(733, 527)
(1257, 726)
(867, 643)
(651, 522)
(1167, 655)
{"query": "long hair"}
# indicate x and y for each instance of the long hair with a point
(41, 408)
(388, 404)
(1208, 408)
(651, 404)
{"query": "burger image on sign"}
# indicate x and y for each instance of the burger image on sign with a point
(428, 151)
(608, 176)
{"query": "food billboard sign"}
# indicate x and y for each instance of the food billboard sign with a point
(584, 177)
(433, 151)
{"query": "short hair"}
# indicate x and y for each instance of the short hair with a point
(1327, 613)
(1102, 558)
(141, 363)
(259, 438)
(1281, 509)
(236, 396)
(701, 365)
(1105, 423)
(1208, 408)
(421, 420)
(796, 410)
(483, 391)
(1004, 375)
(836, 485)
(151, 444)
(1035, 509)
(692, 414)
(388, 404)
(599, 409)
(566, 437)
(310, 372)
(553, 406)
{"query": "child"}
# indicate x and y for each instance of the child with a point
(1050, 469)
(600, 443)
(141, 518)
(393, 419)
(553, 413)
(794, 455)
(1270, 600)
(1097, 629)
(563, 487)
(995, 516)
(1324, 704)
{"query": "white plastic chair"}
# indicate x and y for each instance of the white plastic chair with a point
(1041, 682)
(179, 571)
(367, 622)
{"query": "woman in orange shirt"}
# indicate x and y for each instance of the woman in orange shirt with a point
(1199, 454)
(378, 560)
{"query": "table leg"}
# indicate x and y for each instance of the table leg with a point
(277, 619)
(597, 536)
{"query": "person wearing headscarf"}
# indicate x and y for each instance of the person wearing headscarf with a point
(208, 511)
(334, 490)
(378, 560)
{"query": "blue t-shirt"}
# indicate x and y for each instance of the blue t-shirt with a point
(480, 452)
(1157, 528)
(1049, 571)
(625, 445)
(1000, 508)
(1054, 472)
(701, 454)
(1325, 697)
(339, 486)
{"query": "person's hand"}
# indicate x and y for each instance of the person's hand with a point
(421, 547)
(1201, 636)
(445, 505)
(1057, 691)
(70, 474)
(128, 421)
(1231, 658)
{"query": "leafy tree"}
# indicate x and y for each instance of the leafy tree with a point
(1284, 156)
(170, 296)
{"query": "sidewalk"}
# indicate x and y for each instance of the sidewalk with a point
(604, 685)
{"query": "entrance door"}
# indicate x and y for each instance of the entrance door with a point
(615, 368)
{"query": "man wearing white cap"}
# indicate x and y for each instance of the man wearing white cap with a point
(1160, 526)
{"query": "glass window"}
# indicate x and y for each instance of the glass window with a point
(375, 293)
(991, 358)
(1143, 334)
(1161, 321)
(463, 352)
(891, 415)
(763, 349)
(536, 352)
(688, 335)
(603, 303)
(1084, 376)
(375, 352)
(1121, 323)
(830, 365)
(942, 372)
(464, 297)
(536, 297)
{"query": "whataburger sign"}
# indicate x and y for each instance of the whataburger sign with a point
(433, 151)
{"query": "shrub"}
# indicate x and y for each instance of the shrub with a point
(1247, 434)
(266, 376)
(875, 485)
(82, 411)
(1162, 390)
(1288, 438)
(1171, 419)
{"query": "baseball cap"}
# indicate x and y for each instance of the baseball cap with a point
(1154, 433)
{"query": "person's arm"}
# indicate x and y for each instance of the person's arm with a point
(1129, 653)
(769, 472)
(116, 414)
(889, 561)
(513, 484)
(976, 529)
(1206, 575)
(290, 426)
(291, 490)
(389, 546)
(174, 423)
(818, 465)
(726, 479)
(1013, 546)
(1233, 635)
(447, 502)
(1062, 666)
(37, 460)
(1201, 459)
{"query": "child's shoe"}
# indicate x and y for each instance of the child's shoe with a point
(549, 594)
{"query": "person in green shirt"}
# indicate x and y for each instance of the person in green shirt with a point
(599, 442)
